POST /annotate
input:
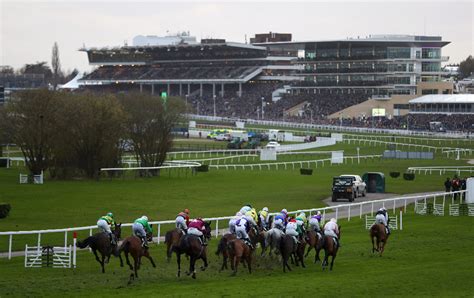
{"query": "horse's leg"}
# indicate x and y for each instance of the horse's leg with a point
(192, 268)
(249, 262)
(147, 255)
(325, 262)
(128, 260)
(97, 257)
(373, 244)
(168, 252)
(333, 258)
(204, 259)
(236, 264)
(102, 263)
(178, 260)
(136, 262)
(121, 260)
(287, 265)
(309, 249)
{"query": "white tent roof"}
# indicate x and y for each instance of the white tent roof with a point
(444, 98)
(72, 84)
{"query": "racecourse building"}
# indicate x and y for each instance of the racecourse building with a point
(378, 65)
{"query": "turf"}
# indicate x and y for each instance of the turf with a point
(430, 257)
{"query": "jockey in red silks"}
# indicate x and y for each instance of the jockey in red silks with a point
(182, 220)
(197, 227)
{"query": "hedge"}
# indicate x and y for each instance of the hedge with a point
(409, 176)
(4, 210)
(394, 174)
(306, 171)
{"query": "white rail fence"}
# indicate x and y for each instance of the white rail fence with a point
(441, 170)
(430, 148)
(461, 135)
(290, 164)
(338, 211)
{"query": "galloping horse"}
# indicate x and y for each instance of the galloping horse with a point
(101, 242)
(289, 248)
(272, 240)
(172, 239)
(133, 245)
(241, 252)
(191, 245)
(223, 249)
(330, 249)
(378, 231)
(313, 242)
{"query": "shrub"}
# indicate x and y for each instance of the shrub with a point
(409, 176)
(306, 171)
(394, 174)
(203, 168)
(4, 210)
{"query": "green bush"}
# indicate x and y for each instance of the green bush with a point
(394, 174)
(409, 176)
(203, 168)
(306, 171)
(4, 210)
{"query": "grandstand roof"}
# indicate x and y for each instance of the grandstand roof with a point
(444, 98)
(389, 38)
(207, 45)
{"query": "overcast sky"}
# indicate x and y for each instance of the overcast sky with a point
(28, 29)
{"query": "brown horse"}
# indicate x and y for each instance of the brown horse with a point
(289, 248)
(101, 242)
(172, 239)
(223, 249)
(330, 249)
(313, 241)
(378, 232)
(191, 246)
(239, 251)
(133, 245)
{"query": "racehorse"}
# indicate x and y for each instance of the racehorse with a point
(272, 240)
(313, 242)
(101, 242)
(241, 252)
(289, 248)
(378, 231)
(330, 249)
(133, 245)
(172, 239)
(191, 246)
(223, 249)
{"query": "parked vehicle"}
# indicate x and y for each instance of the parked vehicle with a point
(359, 185)
(223, 137)
(348, 187)
(272, 145)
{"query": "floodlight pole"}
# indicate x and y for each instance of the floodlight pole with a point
(214, 96)
(263, 100)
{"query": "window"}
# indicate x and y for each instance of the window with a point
(429, 91)
(400, 106)
(398, 52)
(431, 53)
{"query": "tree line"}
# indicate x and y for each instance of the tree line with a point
(76, 134)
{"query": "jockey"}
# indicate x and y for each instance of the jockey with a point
(232, 221)
(245, 209)
(382, 217)
(197, 227)
(332, 229)
(301, 223)
(242, 227)
(105, 223)
(182, 220)
(249, 216)
(291, 229)
(285, 214)
(279, 221)
(314, 223)
(263, 215)
(254, 215)
(140, 228)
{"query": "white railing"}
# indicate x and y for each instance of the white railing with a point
(284, 165)
(428, 147)
(338, 211)
(334, 127)
(441, 170)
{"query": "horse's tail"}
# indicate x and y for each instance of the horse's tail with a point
(124, 246)
(87, 242)
(221, 246)
(168, 237)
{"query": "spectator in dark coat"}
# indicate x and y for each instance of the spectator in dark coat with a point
(447, 185)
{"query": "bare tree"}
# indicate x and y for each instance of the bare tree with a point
(56, 65)
(29, 120)
(149, 126)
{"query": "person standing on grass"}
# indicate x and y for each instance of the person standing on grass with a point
(447, 185)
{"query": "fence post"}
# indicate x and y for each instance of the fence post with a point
(360, 211)
(39, 240)
(65, 239)
(10, 242)
(337, 210)
(349, 213)
(401, 219)
(217, 228)
(372, 210)
(159, 233)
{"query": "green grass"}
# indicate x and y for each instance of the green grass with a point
(430, 257)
